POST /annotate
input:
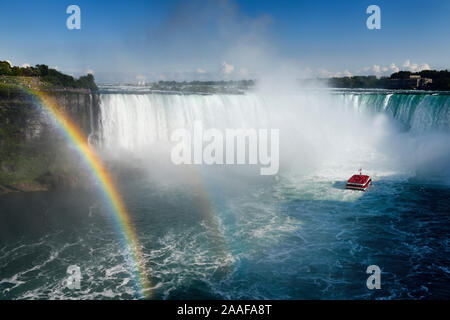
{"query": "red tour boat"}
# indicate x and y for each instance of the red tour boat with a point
(359, 182)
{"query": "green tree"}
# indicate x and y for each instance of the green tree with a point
(43, 70)
(5, 68)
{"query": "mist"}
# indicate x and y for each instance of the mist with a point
(322, 132)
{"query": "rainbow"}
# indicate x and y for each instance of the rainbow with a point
(107, 187)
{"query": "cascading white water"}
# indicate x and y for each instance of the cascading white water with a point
(317, 130)
(134, 121)
(418, 112)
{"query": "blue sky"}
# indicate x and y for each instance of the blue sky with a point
(192, 39)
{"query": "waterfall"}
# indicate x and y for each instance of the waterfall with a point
(340, 131)
(417, 112)
(91, 122)
(133, 121)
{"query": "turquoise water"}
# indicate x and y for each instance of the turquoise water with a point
(228, 233)
(281, 240)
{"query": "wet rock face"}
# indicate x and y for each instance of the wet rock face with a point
(34, 153)
(23, 113)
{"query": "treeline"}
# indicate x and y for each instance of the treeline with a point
(48, 75)
(366, 82)
(223, 83)
(440, 80)
(211, 87)
(432, 74)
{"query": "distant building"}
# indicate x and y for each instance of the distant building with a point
(425, 81)
(414, 81)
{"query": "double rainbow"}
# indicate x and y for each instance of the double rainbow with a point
(107, 186)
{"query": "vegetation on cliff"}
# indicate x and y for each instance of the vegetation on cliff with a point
(46, 75)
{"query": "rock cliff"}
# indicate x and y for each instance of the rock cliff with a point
(34, 154)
